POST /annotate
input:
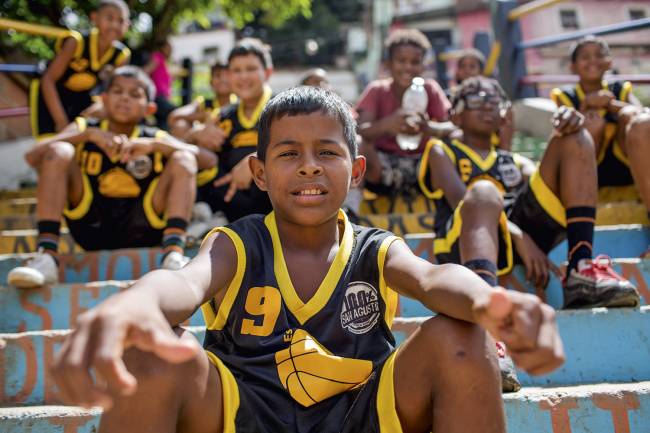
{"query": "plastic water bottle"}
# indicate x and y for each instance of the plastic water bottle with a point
(414, 101)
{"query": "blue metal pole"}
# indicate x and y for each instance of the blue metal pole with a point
(28, 69)
(596, 31)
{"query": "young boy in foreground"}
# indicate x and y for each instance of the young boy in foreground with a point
(118, 184)
(472, 183)
(298, 306)
(615, 119)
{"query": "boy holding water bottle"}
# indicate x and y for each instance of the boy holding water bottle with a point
(393, 133)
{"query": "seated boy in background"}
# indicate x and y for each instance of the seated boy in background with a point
(486, 201)
(618, 124)
(118, 184)
(229, 188)
(78, 69)
(391, 169)
(298, 307)
(204, 110)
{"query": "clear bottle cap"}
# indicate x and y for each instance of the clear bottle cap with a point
(418, 81)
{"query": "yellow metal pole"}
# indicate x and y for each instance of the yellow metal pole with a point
(41, 30)
(491, 62)
(531, 7)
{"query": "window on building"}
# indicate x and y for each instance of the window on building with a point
(637, 14)
(569, 19)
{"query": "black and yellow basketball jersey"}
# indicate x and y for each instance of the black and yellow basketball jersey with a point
(293, 354)
(499, 167)
(81, 80)
(241, 137)
(212, 106)
(572, 96)
(110, 181)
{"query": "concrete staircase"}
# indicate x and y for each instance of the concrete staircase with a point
(603, 387)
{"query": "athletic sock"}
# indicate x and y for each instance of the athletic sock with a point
(485, 269)
(48, 237)
(174, 236)
(580, 223)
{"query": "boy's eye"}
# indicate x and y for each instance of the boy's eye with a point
(289, 153)
(328, 152)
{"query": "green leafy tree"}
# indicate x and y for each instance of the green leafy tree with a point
(165, 16)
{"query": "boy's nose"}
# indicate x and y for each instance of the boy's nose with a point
(310, 168)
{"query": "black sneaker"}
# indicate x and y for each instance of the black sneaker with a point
(595, 284)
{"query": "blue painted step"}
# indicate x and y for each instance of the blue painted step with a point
(603, 408)
(601, 346)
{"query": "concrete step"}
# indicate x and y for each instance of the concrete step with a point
(57, 307)
(601, 346)
(602, 408)
(17, 222)
(24, 241)
(130, 264)
(21, 205)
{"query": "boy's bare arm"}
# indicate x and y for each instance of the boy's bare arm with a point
(372, 128)
(445, 176)
(140, 317)
(70, 134)
(168, 144)
(48, 83)
(181, 118)
(520, 320)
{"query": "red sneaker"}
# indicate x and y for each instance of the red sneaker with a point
(595, 284)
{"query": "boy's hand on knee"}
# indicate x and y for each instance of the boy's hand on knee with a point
(527, 327)
(566, 121)
(98, 344)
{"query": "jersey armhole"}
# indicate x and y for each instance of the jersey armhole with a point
(216, 320)
(389, 296)
(423, 172)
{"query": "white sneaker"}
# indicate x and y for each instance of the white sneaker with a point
(174, 261)
(198, 228)
(38, 271)
(201, 211)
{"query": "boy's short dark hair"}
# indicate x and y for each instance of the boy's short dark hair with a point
(131, 71)
(472, 53)
(120, 4)
(218, 66)
(253, 46)
(473, 85)
(303, 100)
(412, 37)
(590, 39)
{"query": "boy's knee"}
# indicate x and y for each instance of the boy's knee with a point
(626, 115)
(580, 142)
(639, 128)
(182, 162)
(483, 196)
(59, 152)
(459, 344)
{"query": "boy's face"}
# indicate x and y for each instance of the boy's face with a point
(111, 22)
(220, 82)
(467, 67)
(406, 62)
(308, 170)
(591, 62)
(247, 76)
(125, 101)
(481, 114)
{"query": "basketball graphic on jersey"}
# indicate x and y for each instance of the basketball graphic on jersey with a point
(360, 310)
(311, 373)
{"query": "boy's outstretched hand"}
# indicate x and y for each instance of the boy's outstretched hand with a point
(98, 343)
(527, 327)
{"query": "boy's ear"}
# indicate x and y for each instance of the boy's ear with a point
(267, 73)
(256, 166)
(609, 62)
(93, 16)
(358, 170)
(152, 107)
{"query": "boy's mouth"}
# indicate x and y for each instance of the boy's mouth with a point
(309, 190)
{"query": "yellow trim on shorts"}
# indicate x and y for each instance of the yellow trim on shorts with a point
(618, 153)
(156, 221)
(388, 295)
(547, 199)
(207, 175)
(217, 320)
(386, 408)
(444, 245)
(424, 168)
(229, 393)
(86, 200)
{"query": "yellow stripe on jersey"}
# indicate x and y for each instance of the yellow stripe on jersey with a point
(156, 221)
(386, 407)
(304, 311)
(560, 98)
(244, 139)
(229, 393)
(217, 320)
(86, 200)
(123, 57)
(483, 163)
(95, 63)
(625, 92)
(249, 122)
(424, 168)
(388, 295)
(547, 199)
(34, 87)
